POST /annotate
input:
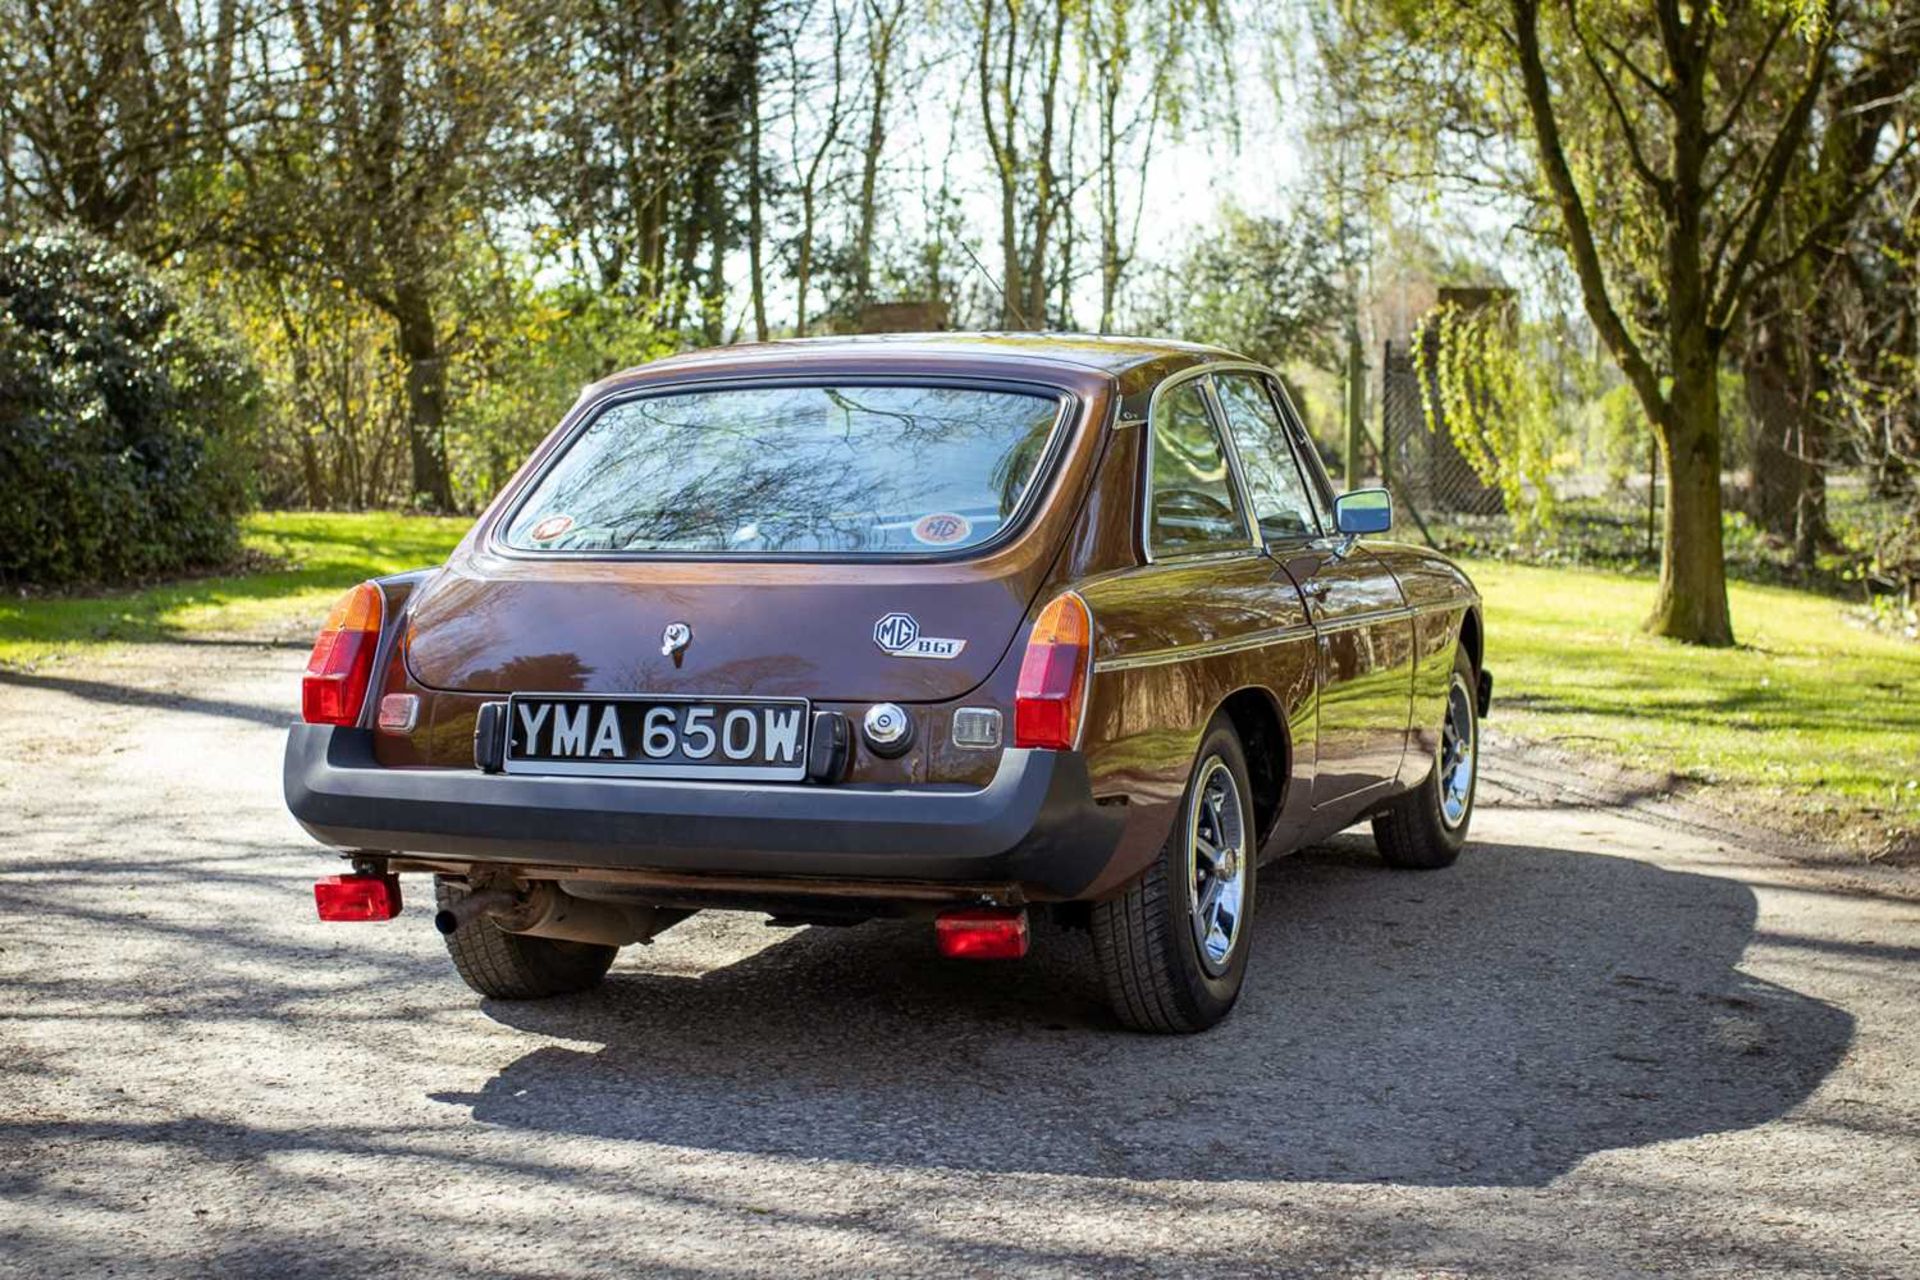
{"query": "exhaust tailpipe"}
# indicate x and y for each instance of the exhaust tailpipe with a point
(545, 911)
(472, 905)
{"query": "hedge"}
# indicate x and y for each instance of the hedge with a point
(122, 420)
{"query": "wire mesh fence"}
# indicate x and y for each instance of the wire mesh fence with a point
(1613, 517)
(1429, 475)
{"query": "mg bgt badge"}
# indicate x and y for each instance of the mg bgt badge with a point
(675, 639)
(899, 635)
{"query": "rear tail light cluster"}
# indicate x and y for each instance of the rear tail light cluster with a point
(1053, 676)
(335, 686)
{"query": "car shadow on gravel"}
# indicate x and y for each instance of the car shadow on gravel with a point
(131, 695)
(1490, 1025)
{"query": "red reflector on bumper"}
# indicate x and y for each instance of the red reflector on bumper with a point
(357, 897)
(982, 933)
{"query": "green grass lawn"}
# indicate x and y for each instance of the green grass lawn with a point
(316, 557)
(1812, 713)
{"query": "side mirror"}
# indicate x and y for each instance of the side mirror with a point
(1363, 511)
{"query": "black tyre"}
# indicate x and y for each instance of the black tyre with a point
(512, 966)
(1426, 828)
(1173, 948)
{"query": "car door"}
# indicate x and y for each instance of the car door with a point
(1363, 629)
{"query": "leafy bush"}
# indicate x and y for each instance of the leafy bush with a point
(121, 421)
(1265, 287)
(523, 361)
(332, 433)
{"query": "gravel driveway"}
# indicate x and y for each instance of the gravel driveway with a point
(1600, 1045)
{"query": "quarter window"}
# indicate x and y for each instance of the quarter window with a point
(1195, 505)
(1275, 485)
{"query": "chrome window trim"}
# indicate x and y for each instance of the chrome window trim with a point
(1143, 517)
(1069, 409)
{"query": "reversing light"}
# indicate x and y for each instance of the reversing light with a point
(335, 686)
(399, 713)
(982, 933)
(1053, 676)
(976, 728)
(357, 897)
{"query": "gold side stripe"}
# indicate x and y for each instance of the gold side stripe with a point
(1209, 649)
(1261, 639)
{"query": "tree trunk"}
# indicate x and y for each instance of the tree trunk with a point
(1692, 604)
(880, 55)
(1779, 474)
(426, 399)
(1045, 207)
(1788, 497)
(803, 263)
(995, 80)
(756, 214)
(1810, 531)
(713, 293)
(1109, 187)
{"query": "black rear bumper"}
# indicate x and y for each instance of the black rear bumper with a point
(1035, 823)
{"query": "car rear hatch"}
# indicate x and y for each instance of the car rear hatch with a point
(850, 541)
(603, 629)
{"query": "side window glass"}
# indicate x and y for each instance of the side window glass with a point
(1275, 485)
(1318, 489)
(1195, 507)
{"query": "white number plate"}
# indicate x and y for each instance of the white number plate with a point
(657, 736)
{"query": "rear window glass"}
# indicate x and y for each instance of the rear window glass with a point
(792, 470)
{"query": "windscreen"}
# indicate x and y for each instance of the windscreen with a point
(792, 470)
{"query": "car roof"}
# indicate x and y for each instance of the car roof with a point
(1107, 353)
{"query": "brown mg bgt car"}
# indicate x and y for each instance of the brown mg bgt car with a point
(951, 627)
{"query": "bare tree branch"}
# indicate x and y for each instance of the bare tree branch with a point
(1662, 186)
(1836, 219)
(1724, 292)
(1739, 103)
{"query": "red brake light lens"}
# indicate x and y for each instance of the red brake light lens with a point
(357, 897)
(335, 686)
(982, 933)
(1053, 676)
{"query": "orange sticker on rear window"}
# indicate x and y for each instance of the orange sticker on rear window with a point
(941, 529)
(550, 528)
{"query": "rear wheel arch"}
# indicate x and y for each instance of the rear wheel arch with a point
(1470, 638)
(1255, 715)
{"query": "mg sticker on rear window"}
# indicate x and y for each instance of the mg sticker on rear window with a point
(899, 635)
(942, 529)
(551, 527)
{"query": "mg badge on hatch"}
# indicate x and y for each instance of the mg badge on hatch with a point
(899, 635)
(674, 641)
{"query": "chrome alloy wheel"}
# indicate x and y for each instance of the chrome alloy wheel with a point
(1458, 740)
(1217, 856)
